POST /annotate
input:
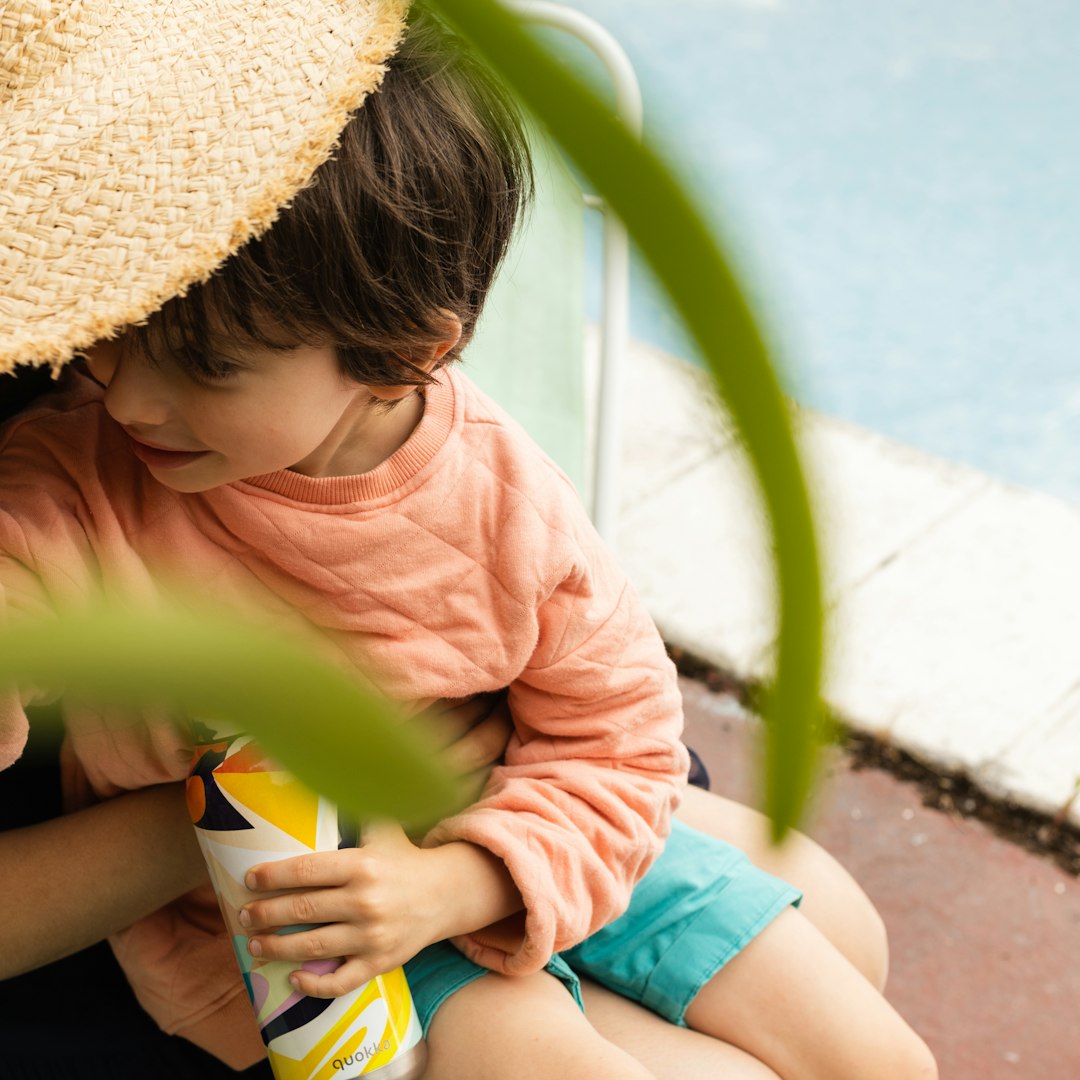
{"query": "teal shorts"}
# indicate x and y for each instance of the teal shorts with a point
(699, 904)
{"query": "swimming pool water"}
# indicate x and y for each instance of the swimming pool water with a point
(902, 181)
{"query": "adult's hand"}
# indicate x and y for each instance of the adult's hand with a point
(473, 734)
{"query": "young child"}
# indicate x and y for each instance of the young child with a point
(294, 429)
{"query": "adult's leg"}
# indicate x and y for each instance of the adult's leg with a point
(521, 1028)
(735, 965)
(833, 903)
(832, 900)
(790, 999)
(667, 1051)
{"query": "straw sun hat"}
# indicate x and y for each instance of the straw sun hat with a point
(142, 142)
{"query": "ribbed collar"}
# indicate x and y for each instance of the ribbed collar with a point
(421, 446)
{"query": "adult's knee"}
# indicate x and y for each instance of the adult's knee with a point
(914, 1061)
(833, 901)
(839, 907)
(521, 1028)
(874, 947)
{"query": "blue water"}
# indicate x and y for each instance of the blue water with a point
(902, 181)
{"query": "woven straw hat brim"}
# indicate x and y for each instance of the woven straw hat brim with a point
(142, 143)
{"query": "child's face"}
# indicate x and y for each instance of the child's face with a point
(280, 410)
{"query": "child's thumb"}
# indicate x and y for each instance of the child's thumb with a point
(382, 832)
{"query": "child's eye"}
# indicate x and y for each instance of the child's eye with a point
(220, 371)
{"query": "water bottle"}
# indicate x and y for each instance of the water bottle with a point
(248, 810)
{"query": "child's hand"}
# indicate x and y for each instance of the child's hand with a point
(376, 906)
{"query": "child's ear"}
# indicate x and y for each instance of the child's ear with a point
(428, 359)
(451, 336)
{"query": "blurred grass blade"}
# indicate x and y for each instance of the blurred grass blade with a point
(306, 712)
(672, 235)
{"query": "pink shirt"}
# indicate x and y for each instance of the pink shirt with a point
(463, 563)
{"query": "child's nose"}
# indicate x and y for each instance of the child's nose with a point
(135, 392)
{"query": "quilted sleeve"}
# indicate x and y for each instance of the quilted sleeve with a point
(580, 808)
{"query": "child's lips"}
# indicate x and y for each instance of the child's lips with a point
(161, 457)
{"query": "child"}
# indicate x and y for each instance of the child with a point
(294, 427)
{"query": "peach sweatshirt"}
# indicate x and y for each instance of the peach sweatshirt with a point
(463, 563)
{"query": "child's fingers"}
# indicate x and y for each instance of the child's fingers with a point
(324, 942)
(320, 870)
(351, 975)
(294, 909)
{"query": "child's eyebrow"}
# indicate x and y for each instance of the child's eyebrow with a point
(240, 348)
(238, 353)
(236, 357)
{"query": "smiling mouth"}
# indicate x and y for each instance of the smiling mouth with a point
(161, 457)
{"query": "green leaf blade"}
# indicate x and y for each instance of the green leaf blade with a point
(673, 237)
(310, 714)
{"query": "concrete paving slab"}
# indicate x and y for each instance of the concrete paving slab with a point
(954, 600)
(694, 551)
(983, 935)
(1042, 768)
(696, 548)
(873, 497)
(668, 423)
(968, 638)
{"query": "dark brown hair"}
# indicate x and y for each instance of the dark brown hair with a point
(412, 216)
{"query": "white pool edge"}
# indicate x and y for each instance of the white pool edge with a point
(954, 599)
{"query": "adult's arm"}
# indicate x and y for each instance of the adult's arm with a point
(70, 882)
(74, 880)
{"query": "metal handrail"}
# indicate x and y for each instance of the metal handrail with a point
(615, 309)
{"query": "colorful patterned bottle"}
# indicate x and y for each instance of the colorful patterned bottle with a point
(248, 810)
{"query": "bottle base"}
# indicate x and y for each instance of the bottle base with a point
(409, 1065)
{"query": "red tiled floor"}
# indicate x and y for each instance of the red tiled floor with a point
(984, 936)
